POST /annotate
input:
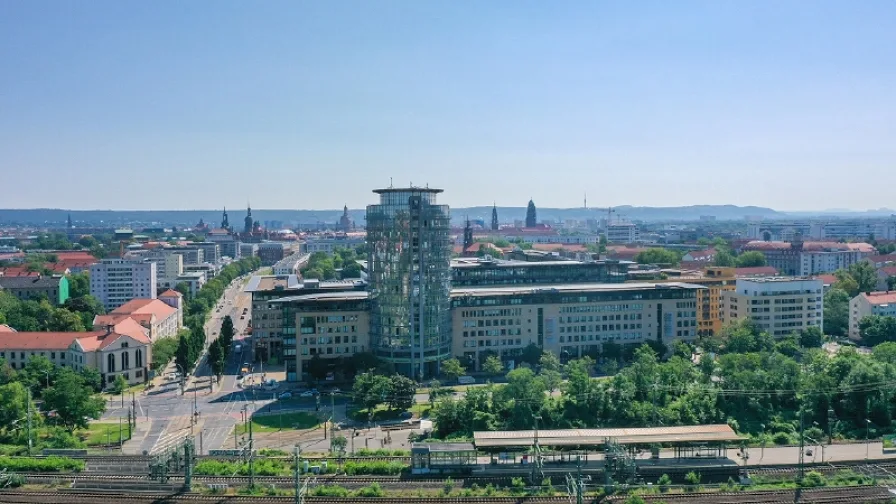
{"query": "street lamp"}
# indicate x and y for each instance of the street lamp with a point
(867, 442)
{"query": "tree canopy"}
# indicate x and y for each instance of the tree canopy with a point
(658, 256)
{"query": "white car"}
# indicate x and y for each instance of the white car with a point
(306, 393)
(285, 395)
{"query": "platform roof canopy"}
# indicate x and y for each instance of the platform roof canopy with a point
(596, 437)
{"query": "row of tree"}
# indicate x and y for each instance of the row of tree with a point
(76, 314)
(191, 340)
(396, 391)
(755, 383)
(325, 266)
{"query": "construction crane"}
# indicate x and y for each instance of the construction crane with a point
(610, 211)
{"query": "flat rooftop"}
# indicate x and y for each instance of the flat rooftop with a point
(474, 262)
(596, 437)
(324, 296)
(272, 282)
(570, 288)
(407, 189)
(779, 279)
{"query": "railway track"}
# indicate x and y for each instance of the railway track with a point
(74, 497)
(845, 495)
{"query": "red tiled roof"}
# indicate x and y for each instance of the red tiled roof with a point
(702, 255)
(171, 293)
(827, 279)
(5, 328)
(755, 271)
(808, 246)
(16, 271)
(880, 297)
(43, 340)
(882, 259)
(145, 307)
(887, 270)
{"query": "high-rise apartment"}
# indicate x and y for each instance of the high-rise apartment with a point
(410, 279)
(780, 305)
(114, 282)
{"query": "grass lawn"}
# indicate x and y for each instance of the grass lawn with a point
(101, 433)
(271, 423)
(382, 412)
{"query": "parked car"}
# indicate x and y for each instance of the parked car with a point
(285, 395)
(307, 393)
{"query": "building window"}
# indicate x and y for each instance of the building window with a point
(110, 363)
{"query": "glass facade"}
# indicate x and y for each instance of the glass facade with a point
(410, 280)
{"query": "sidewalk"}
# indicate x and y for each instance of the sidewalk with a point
(134, 446)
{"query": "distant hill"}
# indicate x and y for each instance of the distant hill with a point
(291, 218)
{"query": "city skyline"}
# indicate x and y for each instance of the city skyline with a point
(135, 107)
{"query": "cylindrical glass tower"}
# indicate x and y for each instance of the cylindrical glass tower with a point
(410, 279)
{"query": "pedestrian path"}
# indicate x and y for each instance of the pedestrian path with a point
(178, 429)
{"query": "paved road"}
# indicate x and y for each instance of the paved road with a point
(165, 417)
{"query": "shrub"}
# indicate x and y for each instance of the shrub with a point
(11, 480)
(382, 452)
(664, 483)
(373, 490)
(635, 499)
(272, 452)
(375, 467)
(329, 491)
(48, 464)
(448, 487)
(813, 479)
(781, 438)
(693, 479)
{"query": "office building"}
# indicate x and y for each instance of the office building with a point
(570, 320)
(478, 272)
(194, 280)
(410, 278)
(114, 282)
(779, 306)
(271, 252)
(211, 251)
(870, 303)
(331, 324)
(52, 287)
(709, 313)
(248, 249)
(192, 255)
(273, 324)
(329, 242)
(623, 232)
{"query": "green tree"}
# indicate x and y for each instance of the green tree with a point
(401, 392)
(183, 353)
(351, 270)
(864, 274)
(227, 333)
(79, 284)
(549, 362)
(216, 359)
(14, 402)
(846, 283)
(371, 389)
(836, 312)
(751, 259)
(62, 320)
(531, 354)
(318, 367)
(551, 379)
(876, 329)
(119, 385)
(73, 401)
(658, 256)
(493, 365)
(811, 337)
(724, 258)
(184, 288)
(92, 378)
(452, 369)
(339, 444)
(163, 351)
(885, 352)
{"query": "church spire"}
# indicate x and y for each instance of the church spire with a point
(225, 222)
(494, 217)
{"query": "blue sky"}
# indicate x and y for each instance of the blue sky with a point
(169, 105)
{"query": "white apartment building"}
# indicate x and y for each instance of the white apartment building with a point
(114, 282)
(778, 305)
(290, 265)
(194, 280)
(169, 266)
(870, 303)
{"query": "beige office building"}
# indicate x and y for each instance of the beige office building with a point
(778, 305)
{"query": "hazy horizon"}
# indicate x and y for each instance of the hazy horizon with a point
(290, 105)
